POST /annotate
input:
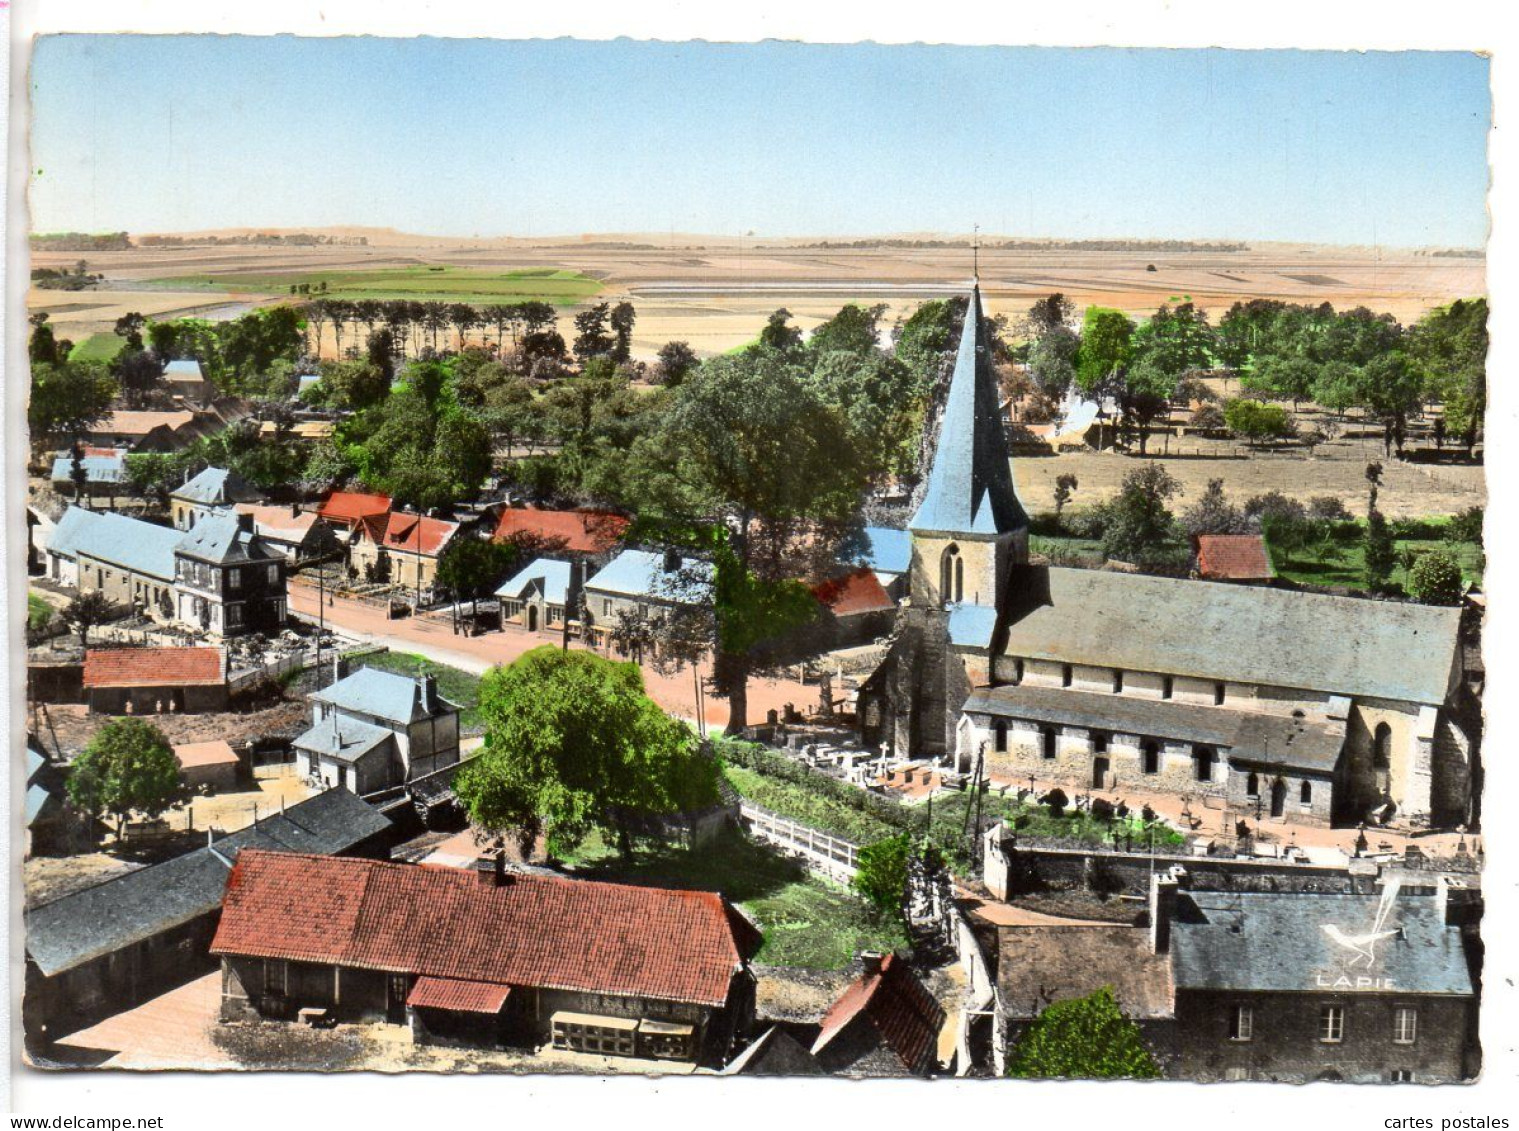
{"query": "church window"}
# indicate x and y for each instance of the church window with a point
(1167, 686)
(1000, 731)
(1252, 786)
(1047, 735)
(1117, 681)
(1305, 794)
(1218, 695)
(951, 576)
(1065, 675)
(1017, 671)
(1149, 760)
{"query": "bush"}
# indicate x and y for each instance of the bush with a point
(1257, 421)
(1046, 524)
(1090, 523)
(1466, 526)
(1274, 504)
(1208, 418)
(1435, 578)
(1328, 508)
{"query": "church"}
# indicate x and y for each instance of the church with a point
(1296, 705)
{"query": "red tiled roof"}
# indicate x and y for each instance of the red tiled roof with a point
(577, 531)
(348, 507)
(445, 923)
(857, 592)
(1233, 557)
(414, 533)
(214, 753)
(152, 667)
(898, 1006)
(458, 996)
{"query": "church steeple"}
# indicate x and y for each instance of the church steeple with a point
(970, 486)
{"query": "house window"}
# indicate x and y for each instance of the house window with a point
(1099, 743)
(1117, 681)
(234, 579)
(1242, 1023)
(1405, 1025)
(1065, 675)
(1332, 1024)
(1000, 731)
(1167, 686)
(1252, 786)
(1305, 794)
(606, 606)
(1402, 1076)
(276, 976)
(1218, 694)
(274, 575)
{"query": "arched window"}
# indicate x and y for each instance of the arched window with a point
(1252, 786)
(1000, 731)
(1305, 794)
(1381, 757)
(951, 575)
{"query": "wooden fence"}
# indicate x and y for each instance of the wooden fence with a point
(820, 851)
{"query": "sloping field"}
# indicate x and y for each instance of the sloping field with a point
(438, 283)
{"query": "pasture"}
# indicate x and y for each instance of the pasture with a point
(423, 282)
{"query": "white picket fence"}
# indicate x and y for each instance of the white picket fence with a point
(821, 852)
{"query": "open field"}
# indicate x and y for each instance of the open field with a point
(436, 283)
(715, 293)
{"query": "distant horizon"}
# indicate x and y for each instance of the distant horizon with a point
(534, 139)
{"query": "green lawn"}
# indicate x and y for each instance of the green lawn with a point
(807, 922)
(1341, 563)
(1060, 548)
(456, 686)
(97, 347)
(796, 801)
(431, 284)
(38, 612)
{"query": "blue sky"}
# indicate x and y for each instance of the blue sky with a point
(461, 137)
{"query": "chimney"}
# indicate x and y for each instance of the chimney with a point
(873, 962)
(295, 510)
(490, 868)
(244, 522)
(672, 559)
(1442, 901)
(428, 686)
(1163, 892)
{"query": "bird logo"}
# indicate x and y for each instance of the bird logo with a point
(1364, 945)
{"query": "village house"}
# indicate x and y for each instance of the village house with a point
(374, 730)
(105, 471)
(858, 608)
(536, 596)
(149, 430)
(889, 555)
(296, 534)
(345, 510)
(219, 577)
(643, 584)
(155, 681)
(488, 956)
(186, 380)
(775, 1053)
(402, 547)
(1233, 557)
(886, 1023)
(213, 491)
(574, 535)
(1296, 706)
(114, 945)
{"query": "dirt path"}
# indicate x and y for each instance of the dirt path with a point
(676, 693)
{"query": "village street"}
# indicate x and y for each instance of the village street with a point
(438, 642)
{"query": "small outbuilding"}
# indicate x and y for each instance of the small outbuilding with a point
(207, 765)
(155, 681)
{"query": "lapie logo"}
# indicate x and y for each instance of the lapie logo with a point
(1362, 946)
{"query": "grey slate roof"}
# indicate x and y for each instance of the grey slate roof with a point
(98, 920)
(1251, 736)
(348, 741)
(971, 626)
(39, 803)
(71, 530)
(385, 695)
(218, 538)
(97, 469)
(889, 551)
(970, 486)
(775, 1053)
(553, 576)
(641, 573)
(1238, 633)
(142, 547)
(184, 369)
(217, 486)
(1277, 942)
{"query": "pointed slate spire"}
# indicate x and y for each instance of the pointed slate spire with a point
(970, 487)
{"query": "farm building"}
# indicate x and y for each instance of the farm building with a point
(155, 681)
(858, 607)
(109, 947)
(105, 471)
(488, 956)
(213, 491)
(44, 806)
(208, 766)
(374, 729)
(885, 1023)
(1299, 706)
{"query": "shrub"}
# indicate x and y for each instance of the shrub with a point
(1274, 504)
(1466, 526)
(1435, 577)
(1328, 508)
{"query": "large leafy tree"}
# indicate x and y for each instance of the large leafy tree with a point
(750, 453)
(854, 329)
(573, 744)
(881, 874)
(1085, 1038)
(471, 568)
(1106, 348)
(779, 334)
(67, 398)
(127, 767)
(87, 611)
(1449, 348)
(880, 401)
(1140, 528)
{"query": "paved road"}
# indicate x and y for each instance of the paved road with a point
(675, 692)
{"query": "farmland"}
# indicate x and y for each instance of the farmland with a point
(429, 283)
